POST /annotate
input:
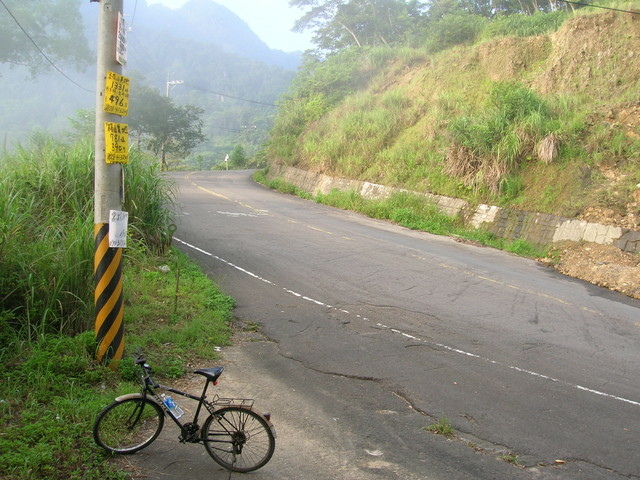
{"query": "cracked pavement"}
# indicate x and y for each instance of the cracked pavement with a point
(372, 332)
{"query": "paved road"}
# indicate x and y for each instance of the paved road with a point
(375, 331)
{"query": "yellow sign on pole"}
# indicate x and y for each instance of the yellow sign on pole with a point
(116, 94)
(116, 136)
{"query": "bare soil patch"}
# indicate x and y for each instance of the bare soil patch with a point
(603, 265)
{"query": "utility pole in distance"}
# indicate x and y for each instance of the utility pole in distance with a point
(108, 193)
(171, 84)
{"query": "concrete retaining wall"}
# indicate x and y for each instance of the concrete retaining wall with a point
(536, 228)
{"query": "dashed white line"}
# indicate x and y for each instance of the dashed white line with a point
(415, 338)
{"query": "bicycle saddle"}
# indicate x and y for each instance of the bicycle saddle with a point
(211, 373)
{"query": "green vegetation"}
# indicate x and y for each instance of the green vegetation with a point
(510, 458)
(279, 185)
(494, 111)
(56, 28)
(164, 128)
(409, 210)
(46, 233)
(442, 427)
(190, 316)
(51, 388)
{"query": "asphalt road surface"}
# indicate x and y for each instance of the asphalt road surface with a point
(373, 332)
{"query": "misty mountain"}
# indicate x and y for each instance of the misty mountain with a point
(225, 69)
(204, 22)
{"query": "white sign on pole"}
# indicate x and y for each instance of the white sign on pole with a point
(121, 39)
(118, 228)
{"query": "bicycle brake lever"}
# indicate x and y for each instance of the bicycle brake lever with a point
(138, 358)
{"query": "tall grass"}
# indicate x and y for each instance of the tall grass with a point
(521, 25)
(46, 234)
(350, 142)
(149, 198)
(494, 142)
(46, 240)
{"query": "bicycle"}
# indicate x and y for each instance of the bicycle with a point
(235, 436)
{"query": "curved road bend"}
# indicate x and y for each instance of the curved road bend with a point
(381, 331)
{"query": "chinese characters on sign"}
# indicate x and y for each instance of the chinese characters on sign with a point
(116, 138)
(118, 229)
(121, 46)
(116, 94)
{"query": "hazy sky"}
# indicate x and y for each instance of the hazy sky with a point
(271, 20)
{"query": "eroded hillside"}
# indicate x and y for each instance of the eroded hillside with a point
(549, 123)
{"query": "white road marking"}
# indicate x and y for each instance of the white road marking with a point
(239, 214)
(418, 339)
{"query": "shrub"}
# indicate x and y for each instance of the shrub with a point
(454, 29)
(489, 146)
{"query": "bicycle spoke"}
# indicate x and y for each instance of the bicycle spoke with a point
(239, 439)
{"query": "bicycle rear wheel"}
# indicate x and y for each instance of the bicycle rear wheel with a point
(129, 425)
(238, 439)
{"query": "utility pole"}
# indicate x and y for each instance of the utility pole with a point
(171, 84)
(109, 187)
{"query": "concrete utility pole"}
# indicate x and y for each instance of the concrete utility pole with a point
(109, 192)
(171, 84)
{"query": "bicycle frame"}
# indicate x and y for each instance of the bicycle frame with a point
(148, 392)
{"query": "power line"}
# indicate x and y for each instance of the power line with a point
(40, 50)
(195, 87)
(133, 17)
(599, 6)
(146, 56)
(227, 129)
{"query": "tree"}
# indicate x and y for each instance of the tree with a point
(342, 23)
(163, 127)
(52, 27)
(238, 158)
(83, 125)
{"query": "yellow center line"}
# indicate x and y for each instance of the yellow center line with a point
(515, 287)
(224, 197)
(318, 229)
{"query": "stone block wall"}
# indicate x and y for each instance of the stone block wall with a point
(536, 228)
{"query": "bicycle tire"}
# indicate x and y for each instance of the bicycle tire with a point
(128, 425)
(238, 439)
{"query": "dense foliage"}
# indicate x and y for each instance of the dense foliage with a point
(54, 28)
(340, 24)
(46, 233)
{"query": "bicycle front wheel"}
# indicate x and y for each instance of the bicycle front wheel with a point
(238, 439)
(129, 425)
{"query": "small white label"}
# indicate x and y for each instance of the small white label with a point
(118, 222)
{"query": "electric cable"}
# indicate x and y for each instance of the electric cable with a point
(202, 89)
(600, 6)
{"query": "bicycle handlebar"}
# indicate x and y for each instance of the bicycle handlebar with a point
(139, 359)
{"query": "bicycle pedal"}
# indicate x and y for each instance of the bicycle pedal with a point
(190, 433)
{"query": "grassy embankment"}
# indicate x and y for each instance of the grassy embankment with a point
(533, 113)
(50, 386)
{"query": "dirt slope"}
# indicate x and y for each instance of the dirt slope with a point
(603, 265)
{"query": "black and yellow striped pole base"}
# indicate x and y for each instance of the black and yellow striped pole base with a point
(109, 298)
